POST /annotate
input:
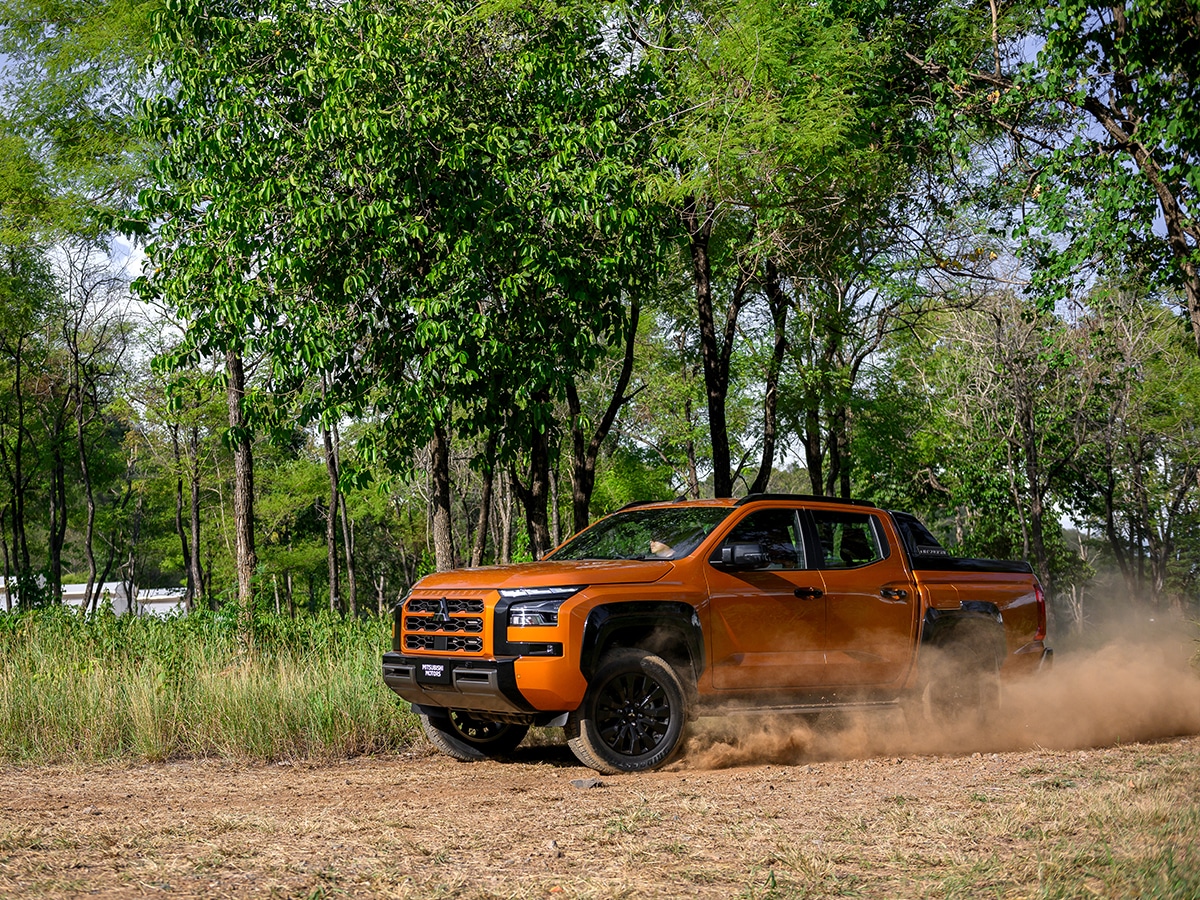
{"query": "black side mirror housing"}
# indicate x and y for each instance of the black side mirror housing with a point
(743, 556)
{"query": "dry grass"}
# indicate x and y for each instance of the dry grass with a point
(103, 688)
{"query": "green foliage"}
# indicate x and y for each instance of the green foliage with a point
(435, 198)
(24, 192)
(1099, 104)
(142, 688)
(73, 75)
(628, 476)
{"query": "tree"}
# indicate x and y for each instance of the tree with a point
(74, 75)
(28, 292)
(1007, 378)
(788, 122)
(1099, 101)
(1137, 484)
(417, 282)
(97, 336)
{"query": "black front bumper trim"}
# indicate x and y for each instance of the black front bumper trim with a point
(480, 685)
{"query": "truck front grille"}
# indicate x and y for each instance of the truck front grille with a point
(441, 624)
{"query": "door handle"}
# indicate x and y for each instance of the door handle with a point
(809, 593)
(893, 593)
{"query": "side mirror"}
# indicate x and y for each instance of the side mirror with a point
(743, 556)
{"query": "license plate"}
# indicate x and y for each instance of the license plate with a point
(433, 673)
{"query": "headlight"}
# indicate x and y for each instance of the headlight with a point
(532, 607)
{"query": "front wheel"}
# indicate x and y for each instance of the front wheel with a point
(632, 717)
(470, 738)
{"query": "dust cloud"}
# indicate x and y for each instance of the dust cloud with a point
(1137, 687)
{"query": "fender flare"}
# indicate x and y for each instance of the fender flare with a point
(649, 624)
(980, 620)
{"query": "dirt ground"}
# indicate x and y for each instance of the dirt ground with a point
(1079, 793)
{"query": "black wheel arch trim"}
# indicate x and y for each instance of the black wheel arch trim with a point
(672, 618)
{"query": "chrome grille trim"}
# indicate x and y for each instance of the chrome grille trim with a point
(473, 625)
(452, 606)
(454, 643)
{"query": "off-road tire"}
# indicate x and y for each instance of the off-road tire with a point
(959, 690)
(470, 737)
(633, 715)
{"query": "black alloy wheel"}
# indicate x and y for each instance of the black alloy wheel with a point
(471, 737)
(633, 715)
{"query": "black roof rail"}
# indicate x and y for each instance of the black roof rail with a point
(682, 498)
(806, 497)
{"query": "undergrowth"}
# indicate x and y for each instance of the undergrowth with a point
(107, 687)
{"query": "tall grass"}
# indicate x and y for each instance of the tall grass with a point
(102, 687)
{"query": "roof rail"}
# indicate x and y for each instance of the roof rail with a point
(806, 497)
(682, 498)
(637, 503)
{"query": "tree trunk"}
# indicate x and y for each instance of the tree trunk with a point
(7, 564)
(196, 574)
(1116, 542)
(534, 497)
(190, 590)
(58, 519)
(485, 501)
(348, 544)
(555, 524)
(1037, 511)
(443, 536)
(837, 443)
(331, 520)
(89, 533)
(689, 450)
(778, 303)
(584, 453)
(347, 526)
(698, 221)
(504, 512)
(20, 540)
(243, 492)
(813, 455)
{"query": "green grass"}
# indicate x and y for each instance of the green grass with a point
(99, 688)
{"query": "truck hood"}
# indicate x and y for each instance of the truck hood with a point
(549, 573)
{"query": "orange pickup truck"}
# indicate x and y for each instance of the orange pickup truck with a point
(663, 612)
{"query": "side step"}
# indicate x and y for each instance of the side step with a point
(796, 709)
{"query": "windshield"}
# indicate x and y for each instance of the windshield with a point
(657, 533)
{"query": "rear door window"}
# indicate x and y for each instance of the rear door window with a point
(846, 540)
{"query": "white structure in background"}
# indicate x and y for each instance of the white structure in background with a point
(111, 591)
(160, 602)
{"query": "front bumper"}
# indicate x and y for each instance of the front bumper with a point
(477, 685)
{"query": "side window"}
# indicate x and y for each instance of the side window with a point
(918, 538)
(777, 532)
(847, 539)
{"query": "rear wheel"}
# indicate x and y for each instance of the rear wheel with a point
(633, 714)
(470, 737)
(960, 689)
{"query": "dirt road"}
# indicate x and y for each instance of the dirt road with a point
(1005, 824)
(860, 808)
